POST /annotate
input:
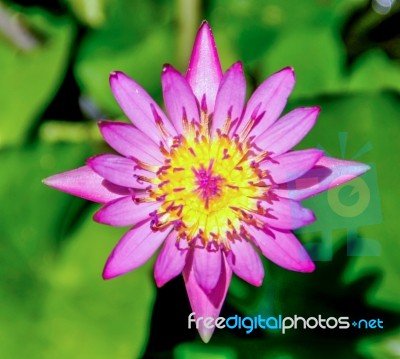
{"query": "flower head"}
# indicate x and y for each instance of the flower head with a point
(211, 181)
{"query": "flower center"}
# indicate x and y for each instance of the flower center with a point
(206, 186)
(209, 185)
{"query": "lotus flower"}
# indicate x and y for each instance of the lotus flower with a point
(212, 182)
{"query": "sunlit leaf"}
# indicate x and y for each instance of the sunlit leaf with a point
(29, 79)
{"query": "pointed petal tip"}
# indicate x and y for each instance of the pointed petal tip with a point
(309, 267)
(206, 334)
(166, 67)
(205, 30)
(109, 272)
(257, 282)
(103, 123)
(237, 66)
(316, 109)
(114, 74)
(89, 161)
(159, 281)
(52, 181)
(362, 168)
(204, 25)
(46, 181)
(96, 217)
(289, 70)
(106, 275)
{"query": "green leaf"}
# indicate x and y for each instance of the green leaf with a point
(33, 220)
(381, 347)
(315, 56)
(374, 71)
(200, 351)
(91, 12)
(112, 316)
(139, 48)
(52, 255)
(31, 78)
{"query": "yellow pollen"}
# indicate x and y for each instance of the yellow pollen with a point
(205, 187)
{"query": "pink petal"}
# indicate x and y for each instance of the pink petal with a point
(207, 267)
(133, 249)
(245, 262)
(130, 142)
(83, 182)
(268, 101)
(125, 211)
(170, 261)
(204, 71)
(288, 131)
(206, 305)
(230, 97)
(178, 98)
(291, 165)
(282, 248)
(284, 213)
(140, 108)
(327, 173)
(119, 170)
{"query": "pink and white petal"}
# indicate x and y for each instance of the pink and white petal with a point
(178, 98)
(204, 71)
(287, 214)
(282, 248)
(203, 304)
(245, 262)
(125, 211)
(230, 97)
(119, 170)
(268, 101)
(288, 131)
(140, 108)
(207, 267)
(327, 173)
(170, 261)
(133, 250)
(291, 165)
(85, 183)
(130, 142)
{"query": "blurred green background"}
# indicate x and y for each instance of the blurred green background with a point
(55, 58)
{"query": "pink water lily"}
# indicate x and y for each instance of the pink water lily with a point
(213, 182)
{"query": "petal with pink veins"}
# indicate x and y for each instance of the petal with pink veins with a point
(288, 131)
(120, 170)
(204, 72)
(327, 173)
(140, 108)
(125, 212)
(207, 267)
(203, 304)
(178, 98)
(230, 98)
(171, 260)
(133, 250)
(282, 248)
(291, 165)
(268, 101)
(85, 183)
(130, 142)
(245, 262)
(284, 213)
